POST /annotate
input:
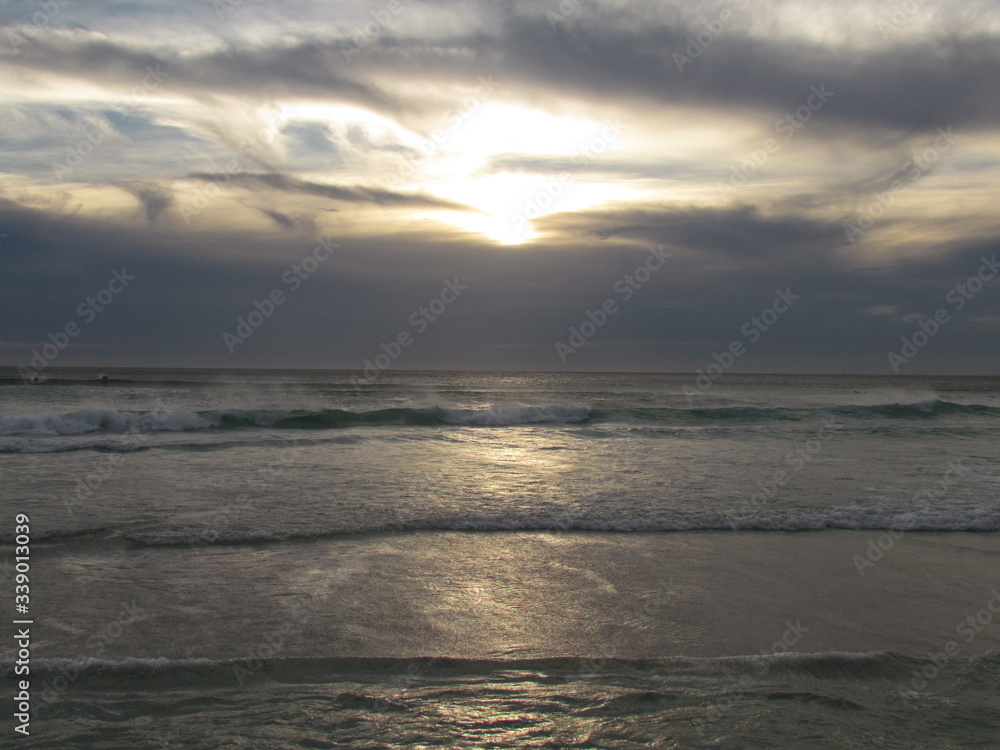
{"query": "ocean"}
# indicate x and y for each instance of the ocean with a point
(315, 559)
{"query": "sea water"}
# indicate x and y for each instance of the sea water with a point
(454, 559)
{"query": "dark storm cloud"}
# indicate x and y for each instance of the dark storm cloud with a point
(518, 304)
(353, 194)
(740, 234)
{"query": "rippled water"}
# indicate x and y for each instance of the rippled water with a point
(264, 559)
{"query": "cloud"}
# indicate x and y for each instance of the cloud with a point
(619, 56)
(349, 194)
(741, 234)
(279, 218)
(193, 284)
(268, 126)
(609, 52)
(155, 198)
(303, 68)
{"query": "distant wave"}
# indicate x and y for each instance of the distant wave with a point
(114, 421)
(167, 673)
(927, 409)
(918, 409)
(103, 444)
(344, 379)
(107, 420)
(853, 519)
(68, 446)
(973, 521)
(98, 382)
(61, 535)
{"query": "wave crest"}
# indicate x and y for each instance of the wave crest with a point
(106, 420)
(166, 671)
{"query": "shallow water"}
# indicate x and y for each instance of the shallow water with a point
(262, 559)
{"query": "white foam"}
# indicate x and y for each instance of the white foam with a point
(101, 419)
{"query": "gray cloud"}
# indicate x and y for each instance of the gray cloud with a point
(282, 220)
(352, 194)
(298, 69)
(729, 252)
(740, 235)
(155, 198)
(910, 85)
(519, 304)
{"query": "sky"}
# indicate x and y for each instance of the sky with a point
(734, 186)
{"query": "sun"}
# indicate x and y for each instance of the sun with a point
(514, 165)
(511, 164)
(507, 205)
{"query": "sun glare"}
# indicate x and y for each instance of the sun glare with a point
(544, 168)
(495, 128)
(508, 203)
